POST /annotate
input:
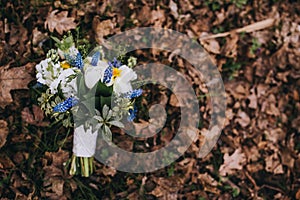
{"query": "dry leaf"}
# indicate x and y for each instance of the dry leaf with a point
(173, 8)
(60, 22)
(3, 132)
(36, 118)
(55, 177)
(243, 120)
(38, 37)
(102, 28)
(144, 15)
(253, 100)
(211, 45)
(233, 162)
(230, 48)
(158, 17)
(273, 164)
(13, 79)
(275, 135)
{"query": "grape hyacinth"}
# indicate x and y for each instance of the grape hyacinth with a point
(132, 114)
(95, 58)
(133, 94)
(65, 105)
(108, 74)
(75, 61)
(115, 63)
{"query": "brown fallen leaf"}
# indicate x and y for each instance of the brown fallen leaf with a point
(233, 162)
(253, 100)
(3, 132)
(102, 28)
(13, 79)
(158, 17)
(273, 164)
(230, 48)
(298, 194)
(57, 183)
(36, 118)
(174, 9)
(211, 45)
(243, 120)
(60, 22)
(38, 37)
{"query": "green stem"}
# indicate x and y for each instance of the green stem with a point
(86, 165)
(73, 165)
(81, 165)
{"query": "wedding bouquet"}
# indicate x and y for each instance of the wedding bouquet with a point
(87, 92)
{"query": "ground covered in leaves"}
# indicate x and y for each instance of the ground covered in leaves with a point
(255, 45)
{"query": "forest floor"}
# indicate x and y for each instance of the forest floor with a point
(257, 155)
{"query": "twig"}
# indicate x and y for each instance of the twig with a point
(253, 183)
(249, 28)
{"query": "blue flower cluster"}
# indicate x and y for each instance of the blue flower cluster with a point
(109, 70)
(107, 74)
(95, 58)
(133, 94)
(75, 61)
(115, 63)
(66, 105)
(132, 114)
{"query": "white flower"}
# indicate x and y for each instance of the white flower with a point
(47, 71)
(121, 79)
(94, 73)
(67, 85)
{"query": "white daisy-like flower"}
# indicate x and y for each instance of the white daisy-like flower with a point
(67, 85)
(47, 71)
(121, 79)
(94, 73)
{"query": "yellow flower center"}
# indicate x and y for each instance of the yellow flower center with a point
(116, 73)
(65, 65)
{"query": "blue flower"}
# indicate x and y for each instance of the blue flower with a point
(75, 61)
(66, 105)
(38, 85)
(115, 63)
(133, 94)
(95, 58)
(132, 114)
(107, 74)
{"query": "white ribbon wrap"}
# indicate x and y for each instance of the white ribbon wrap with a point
(84, 142)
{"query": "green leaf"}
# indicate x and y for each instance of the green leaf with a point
(99, 118)
(107, 134)
(103, 90)
(117, 124)
(105, 101)
(105, 111)
(56, 40)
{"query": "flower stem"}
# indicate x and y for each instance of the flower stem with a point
(81, 165)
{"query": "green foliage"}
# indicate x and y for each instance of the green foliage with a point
(213, 4)
(171, 170)
(218, 29)
(232, 68)
(235, 192)
(255, 46)
(65, 43)
(82, 44)
(239, 3)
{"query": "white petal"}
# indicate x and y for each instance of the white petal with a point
(92, 76)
